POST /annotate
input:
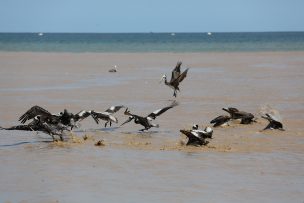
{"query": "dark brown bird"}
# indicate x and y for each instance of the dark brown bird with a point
(245, 117)
(176, 78)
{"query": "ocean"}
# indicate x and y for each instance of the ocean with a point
(152, 42)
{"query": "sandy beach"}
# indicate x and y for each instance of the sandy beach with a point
(241, 163)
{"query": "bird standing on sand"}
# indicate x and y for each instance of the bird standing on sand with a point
(106, 115)
(197, 136)
(147, 121)
(176, 78)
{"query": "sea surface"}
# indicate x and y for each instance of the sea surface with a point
(152, 42)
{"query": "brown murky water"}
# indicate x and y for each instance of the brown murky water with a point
(240, 163)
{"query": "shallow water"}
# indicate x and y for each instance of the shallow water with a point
(78, 173)
(241, 164)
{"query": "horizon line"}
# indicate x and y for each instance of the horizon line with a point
(151, 32)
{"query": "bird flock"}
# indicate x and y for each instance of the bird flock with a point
(41, 120)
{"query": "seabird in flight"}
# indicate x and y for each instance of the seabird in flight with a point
(176, 78)
(106, 115)
(147, 121)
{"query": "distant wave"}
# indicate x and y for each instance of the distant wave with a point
(152, 42)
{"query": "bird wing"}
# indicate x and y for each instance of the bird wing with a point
(270, 117)
(82, 115)
(32, 112)
(191, 134)
(114, 109)
(176, 71)
(220, 119)
(158, 112)
(181, 77)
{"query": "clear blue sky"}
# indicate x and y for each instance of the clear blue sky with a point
(151, 15)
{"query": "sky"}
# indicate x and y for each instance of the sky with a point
(107, 16)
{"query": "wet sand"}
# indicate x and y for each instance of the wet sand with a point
(240, 163)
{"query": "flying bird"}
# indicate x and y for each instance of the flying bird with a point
(106, 115)
(176, 78)
(147, 121)
(197, 136)
(274, 123)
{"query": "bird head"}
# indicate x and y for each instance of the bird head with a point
(163, 78)
(195, 127)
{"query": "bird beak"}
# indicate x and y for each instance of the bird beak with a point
(127, 121)
(161, 80)
(225, 109)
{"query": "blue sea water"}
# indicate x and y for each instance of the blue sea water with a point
(152, 42)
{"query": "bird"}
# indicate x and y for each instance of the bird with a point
(274, 123)
(113, 70)
(39, 125)
(220, 120)
(176, 78)
(198, 137)
(147, 121)
(107, 115)
(244, 117)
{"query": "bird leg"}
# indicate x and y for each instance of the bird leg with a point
(110, 123)
(106, 124)
(174, 94)
(53, 137)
